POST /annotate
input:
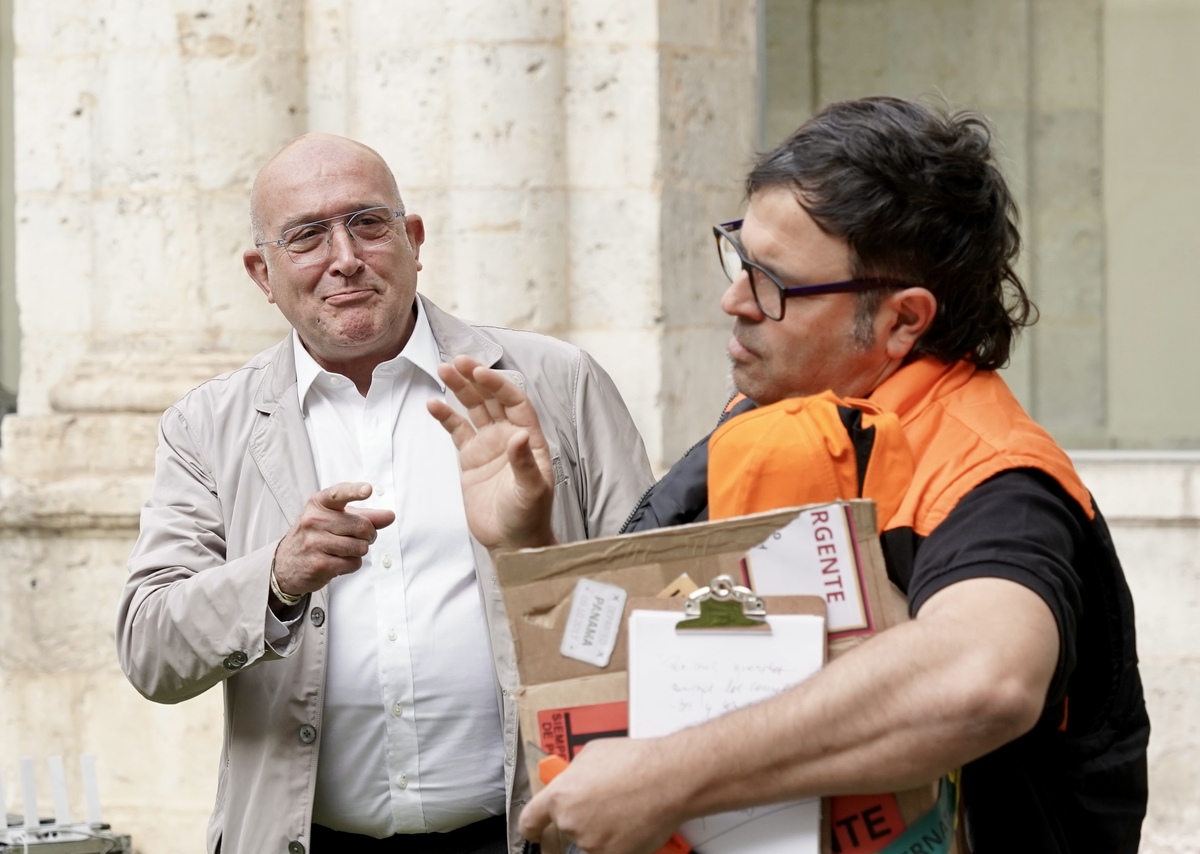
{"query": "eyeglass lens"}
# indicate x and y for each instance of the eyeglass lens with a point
(309, 243)
(768, 296)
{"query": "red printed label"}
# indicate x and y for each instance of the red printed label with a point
(863, 824)
(564, 732)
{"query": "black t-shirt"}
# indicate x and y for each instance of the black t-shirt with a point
(1082, 789)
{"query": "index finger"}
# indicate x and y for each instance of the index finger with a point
(535, 818)
(336, 497)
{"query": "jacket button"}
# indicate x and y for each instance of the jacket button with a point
(295, 848)
(236, 660)
(308, 734)
(317, 615)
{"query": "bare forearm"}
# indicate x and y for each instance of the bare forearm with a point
(900, 710)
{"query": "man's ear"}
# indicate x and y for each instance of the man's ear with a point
(414, 228)
(256, 266)
(910, 312)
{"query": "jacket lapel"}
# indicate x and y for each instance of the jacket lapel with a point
(279, 442)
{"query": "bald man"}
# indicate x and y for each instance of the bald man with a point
(305, 543)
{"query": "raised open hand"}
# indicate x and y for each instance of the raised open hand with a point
(507, 477)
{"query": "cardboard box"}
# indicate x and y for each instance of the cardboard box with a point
(538, 585)
(564, 702)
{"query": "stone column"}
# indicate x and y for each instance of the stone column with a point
(139, 127)
(570, 158)
(465, 102)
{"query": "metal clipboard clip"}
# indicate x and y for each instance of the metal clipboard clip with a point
(724, 605)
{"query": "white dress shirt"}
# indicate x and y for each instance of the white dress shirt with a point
(411, 737)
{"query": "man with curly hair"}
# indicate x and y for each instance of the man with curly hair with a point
(875, 260)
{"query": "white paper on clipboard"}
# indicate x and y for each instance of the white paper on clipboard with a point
(678, 679)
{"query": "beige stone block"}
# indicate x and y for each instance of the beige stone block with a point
(1067, 223)
(631, 358)
(234, 315)
(489, 22)
(788, 49)
(407, 113)
(1069, 386)
(853, 50)
(56, 105)
(718, 25)
(507, 124)
(436, 279)
(709, 118)
(612, 111)
(1067, 46)
(615, 259)
(1160, 566)
(1173, 814)
(1143, 487)
(58, 446)
(90, 26)
(692, 279)
(696, 386)
(57, 227)
(146, 282)
(510, 257)
(625, 23)
(105, 504)
(224, 144)
(59, 605)
(969, 52)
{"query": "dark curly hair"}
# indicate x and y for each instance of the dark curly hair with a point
(916, 193)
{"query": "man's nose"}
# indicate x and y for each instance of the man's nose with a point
(738, 299)
(343, 247)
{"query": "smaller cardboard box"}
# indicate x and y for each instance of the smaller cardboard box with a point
(538, 586)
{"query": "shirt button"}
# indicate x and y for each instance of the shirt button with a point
(308, 734)
(387, 562)
(381, 492)
(236, 660)
(403, 781)
(391, 634)
(295, 848)
(397, 709)
(317, 615)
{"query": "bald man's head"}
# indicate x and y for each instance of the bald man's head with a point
(302, 156)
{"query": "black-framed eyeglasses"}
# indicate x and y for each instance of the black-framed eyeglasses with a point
(772, 301)
(309, 243)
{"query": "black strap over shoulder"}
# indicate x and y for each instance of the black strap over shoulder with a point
(681, 496)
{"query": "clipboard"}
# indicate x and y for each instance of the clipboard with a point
(726, 648)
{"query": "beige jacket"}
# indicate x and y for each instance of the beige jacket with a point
(233, 470)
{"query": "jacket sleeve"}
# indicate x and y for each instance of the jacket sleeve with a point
(615, 471)
(188, 618)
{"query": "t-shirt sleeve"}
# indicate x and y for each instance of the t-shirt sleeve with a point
(1019, 526)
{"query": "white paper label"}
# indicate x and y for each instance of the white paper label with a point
(814, 554)
(594, 622)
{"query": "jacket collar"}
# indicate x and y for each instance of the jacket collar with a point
(453, 337)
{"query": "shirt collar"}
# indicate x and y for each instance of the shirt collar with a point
(421, 351)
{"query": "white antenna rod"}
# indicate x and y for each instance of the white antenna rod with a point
(3, 809)
(91, 794)
(29, 792)
(58, 787)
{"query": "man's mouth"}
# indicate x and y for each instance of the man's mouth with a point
(349, 297)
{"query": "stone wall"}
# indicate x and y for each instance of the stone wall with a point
(569, 157)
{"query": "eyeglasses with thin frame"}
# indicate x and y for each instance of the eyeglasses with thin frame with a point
(772, 300)
(309, 243)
